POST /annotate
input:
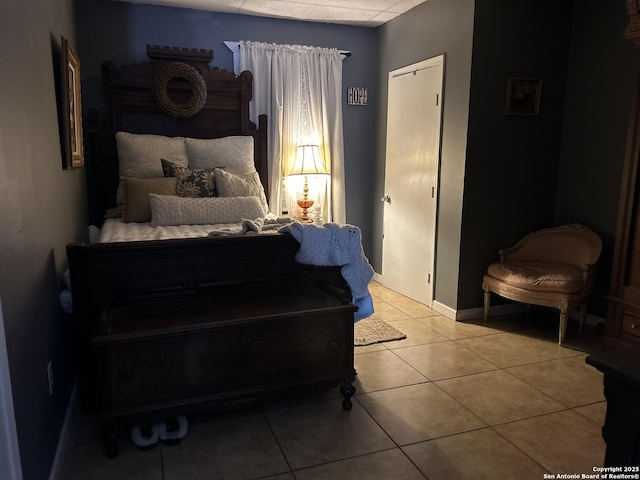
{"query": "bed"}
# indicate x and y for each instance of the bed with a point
(222, 316)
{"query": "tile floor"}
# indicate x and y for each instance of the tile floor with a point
(453, 400)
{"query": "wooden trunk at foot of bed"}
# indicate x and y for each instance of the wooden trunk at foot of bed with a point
(170, 327)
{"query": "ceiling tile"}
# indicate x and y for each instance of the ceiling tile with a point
(309, 12)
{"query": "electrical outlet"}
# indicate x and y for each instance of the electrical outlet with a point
(50, 377)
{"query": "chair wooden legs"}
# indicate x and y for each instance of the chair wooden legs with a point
(564, 316)
(487, 300)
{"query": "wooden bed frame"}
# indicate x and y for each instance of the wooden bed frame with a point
(167, 327)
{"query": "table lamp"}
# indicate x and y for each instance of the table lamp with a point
(308, 162)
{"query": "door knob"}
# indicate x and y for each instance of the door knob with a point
(386, 198)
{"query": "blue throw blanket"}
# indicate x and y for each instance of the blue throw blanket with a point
(337, 245)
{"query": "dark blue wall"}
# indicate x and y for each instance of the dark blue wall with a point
(120, 32)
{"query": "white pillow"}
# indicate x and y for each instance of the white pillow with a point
(139, 156)
(172, 210)
(231, 185)
(234, 153)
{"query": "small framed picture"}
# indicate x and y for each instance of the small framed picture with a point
(71, 107)
(523, 96)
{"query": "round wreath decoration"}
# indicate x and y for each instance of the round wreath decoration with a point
(161, 79)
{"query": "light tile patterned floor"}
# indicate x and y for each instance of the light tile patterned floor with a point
(452, 401)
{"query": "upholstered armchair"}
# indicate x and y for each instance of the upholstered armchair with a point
(553, 267)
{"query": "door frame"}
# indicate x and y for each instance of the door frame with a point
(10, 466)
(438, 60)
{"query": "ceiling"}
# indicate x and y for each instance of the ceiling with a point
(366, 13)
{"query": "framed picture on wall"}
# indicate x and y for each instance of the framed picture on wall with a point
(73, 151)
(523, 96)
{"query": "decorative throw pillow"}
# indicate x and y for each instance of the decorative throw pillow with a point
(136, 193)
(173, 210)
(190, 183)
(231, 185)
(139, 155)
(235, 153)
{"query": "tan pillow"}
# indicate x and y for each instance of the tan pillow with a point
(231, 185)
(136, 192)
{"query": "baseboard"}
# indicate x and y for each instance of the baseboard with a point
(443, 309)
(377, 277)
(470, 313)
(474, 313)
(63, 440)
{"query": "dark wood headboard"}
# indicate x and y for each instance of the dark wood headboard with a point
(133, 109)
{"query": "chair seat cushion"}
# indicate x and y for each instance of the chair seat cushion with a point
(538, 276)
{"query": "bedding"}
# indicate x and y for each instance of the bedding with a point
(115, 230)
(167, 210)
(178, 200)
(222, 167)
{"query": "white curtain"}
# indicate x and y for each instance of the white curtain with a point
(300, 89)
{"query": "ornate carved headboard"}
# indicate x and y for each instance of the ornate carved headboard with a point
(176, 93)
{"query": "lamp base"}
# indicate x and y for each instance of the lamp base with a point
(305, 204)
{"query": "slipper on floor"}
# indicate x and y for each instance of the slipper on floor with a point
(145, 437)
(172, 430)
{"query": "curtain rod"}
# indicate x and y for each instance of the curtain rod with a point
(235, 46)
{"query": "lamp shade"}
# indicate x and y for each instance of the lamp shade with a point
(308, 161)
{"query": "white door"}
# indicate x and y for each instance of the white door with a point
(411, 178)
